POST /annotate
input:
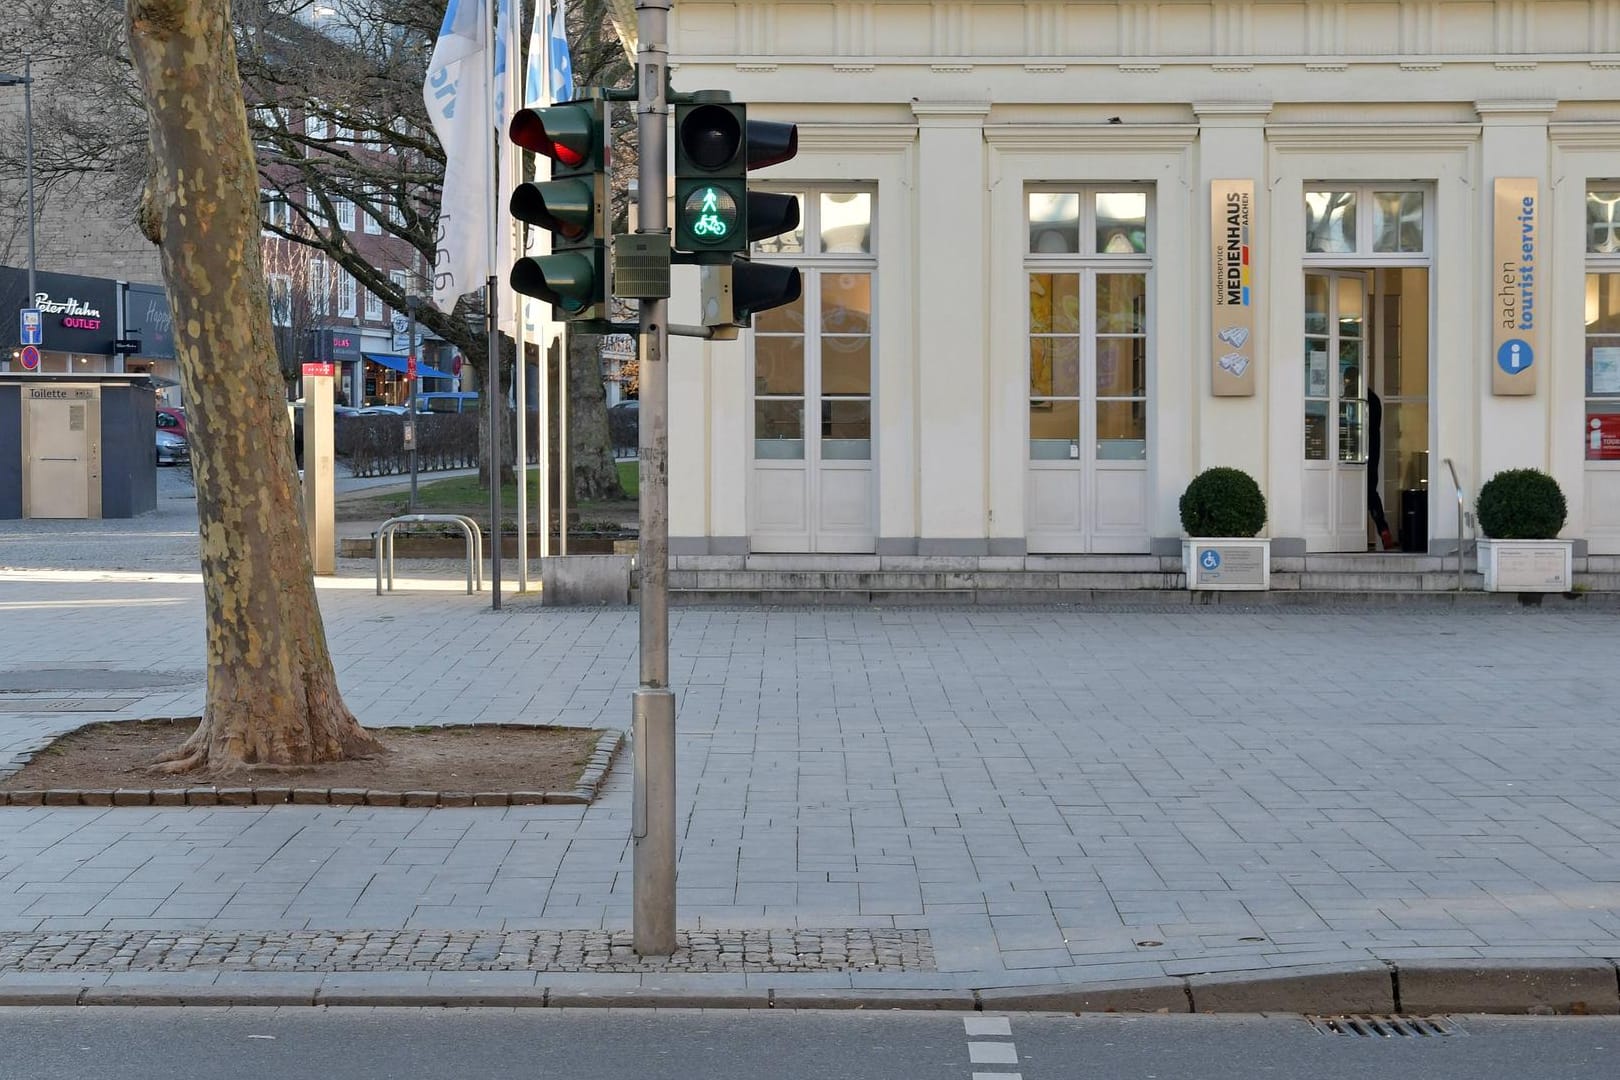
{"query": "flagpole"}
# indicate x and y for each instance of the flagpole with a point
(491, 297)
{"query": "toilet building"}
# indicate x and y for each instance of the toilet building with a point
(1058, 258)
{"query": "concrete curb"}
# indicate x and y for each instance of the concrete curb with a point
(1580, 987)
(582, 793)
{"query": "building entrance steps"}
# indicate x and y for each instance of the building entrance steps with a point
(1321, 577)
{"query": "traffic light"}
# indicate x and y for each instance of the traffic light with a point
(572, 206)
(717, 217)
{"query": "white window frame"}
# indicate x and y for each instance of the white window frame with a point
(374, 307)
(316, 125)
(277, 210)
(345, 214)
(320, 287)
(814, 260)
(1602, 263)
(347, 300)
(1364, 256)
(281, 293)
(1089, 264)
(368, 221)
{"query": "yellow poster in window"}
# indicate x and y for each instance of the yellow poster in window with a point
(1515, 287)
(1233, 244)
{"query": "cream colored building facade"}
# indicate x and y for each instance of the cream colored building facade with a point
(1009, 342)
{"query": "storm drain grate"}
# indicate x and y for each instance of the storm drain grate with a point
(1385, 1027)
(56, 705)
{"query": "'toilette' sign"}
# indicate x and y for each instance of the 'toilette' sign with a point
(1233, 244)
(1515, 287)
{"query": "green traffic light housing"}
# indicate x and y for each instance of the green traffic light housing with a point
(572, 206)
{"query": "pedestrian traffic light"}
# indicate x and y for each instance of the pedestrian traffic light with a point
(572, 206)
(715, 147)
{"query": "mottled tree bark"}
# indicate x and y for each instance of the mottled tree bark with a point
(595, 474)
(272, 694)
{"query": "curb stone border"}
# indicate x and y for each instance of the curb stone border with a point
(582, 793)
(1534, 987)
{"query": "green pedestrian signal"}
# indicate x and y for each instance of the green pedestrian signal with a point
(710, 214)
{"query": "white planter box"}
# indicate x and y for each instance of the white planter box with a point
(1527, 565)
(1236, 563)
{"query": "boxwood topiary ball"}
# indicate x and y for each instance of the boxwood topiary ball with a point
(1223, 502)
(1521, 504)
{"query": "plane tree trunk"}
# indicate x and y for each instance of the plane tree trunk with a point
(272, 695)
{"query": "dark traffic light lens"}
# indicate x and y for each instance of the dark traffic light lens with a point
(711, 137)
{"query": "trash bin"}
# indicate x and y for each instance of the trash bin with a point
(1415, 520)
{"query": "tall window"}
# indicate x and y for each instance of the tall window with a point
(369, 220)
(316, 125)
(813, 358)
(345, 295)
(345, 214)
(320, 287)
(1088, 324)
(277, 210)
(1603, 322)
(374, 307)
(281, 298)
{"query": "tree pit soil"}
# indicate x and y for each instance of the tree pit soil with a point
(473, 758)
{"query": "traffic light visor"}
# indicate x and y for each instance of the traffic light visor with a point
(562, 133)
(771, 143)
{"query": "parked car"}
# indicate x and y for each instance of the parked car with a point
(172, 449)
(339, 414)
(172, 420)
(443, 401)
(384, 410)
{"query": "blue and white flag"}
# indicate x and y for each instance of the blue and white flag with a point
(508, 36)
(458, 104)
(561, 63)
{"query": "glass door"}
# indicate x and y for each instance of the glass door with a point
(1336, 410)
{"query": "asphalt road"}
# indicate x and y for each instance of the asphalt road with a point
(406, 1044)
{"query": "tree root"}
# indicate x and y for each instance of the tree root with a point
(179, 760)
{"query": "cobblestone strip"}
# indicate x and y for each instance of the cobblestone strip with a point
(857, 949)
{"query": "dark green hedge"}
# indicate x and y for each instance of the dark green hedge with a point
(1223, 502)
(1521, 504)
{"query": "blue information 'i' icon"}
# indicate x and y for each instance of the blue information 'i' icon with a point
(1210, 559)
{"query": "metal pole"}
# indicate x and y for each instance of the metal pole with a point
(496, 456)
(565, 482)
(653, 708)
(410, 305)
(28, 143)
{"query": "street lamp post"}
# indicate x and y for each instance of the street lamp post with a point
(26, 80)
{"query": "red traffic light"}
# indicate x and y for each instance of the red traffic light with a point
(562, 133)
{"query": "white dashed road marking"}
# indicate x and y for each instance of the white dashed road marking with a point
(991, 1053)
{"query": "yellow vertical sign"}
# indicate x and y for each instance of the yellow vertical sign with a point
(1232, 246)
(1515, 287)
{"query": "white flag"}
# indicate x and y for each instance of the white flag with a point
(458, 104)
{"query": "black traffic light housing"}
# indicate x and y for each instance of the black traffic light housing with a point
(572, 206)
(717, 217)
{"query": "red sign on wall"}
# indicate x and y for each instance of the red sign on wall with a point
(316, 371)
(1603, 436)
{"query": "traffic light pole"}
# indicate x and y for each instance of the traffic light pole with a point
(653, 711)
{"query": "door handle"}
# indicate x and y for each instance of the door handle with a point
(57, 459)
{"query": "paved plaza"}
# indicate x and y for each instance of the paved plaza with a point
(1028, 796)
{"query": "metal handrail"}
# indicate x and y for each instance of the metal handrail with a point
(469, 528)
(1462, 515)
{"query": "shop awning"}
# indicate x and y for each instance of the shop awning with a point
(390, 360)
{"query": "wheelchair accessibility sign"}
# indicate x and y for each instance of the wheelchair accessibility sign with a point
(1233, 564)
